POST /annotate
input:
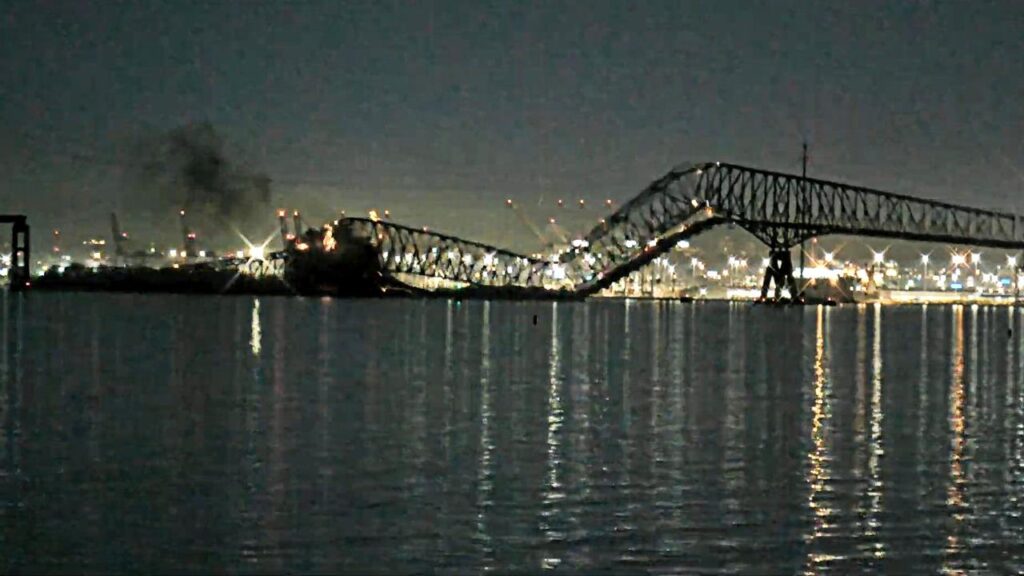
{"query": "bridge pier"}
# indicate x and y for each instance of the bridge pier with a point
(779, 272)
(21, 256)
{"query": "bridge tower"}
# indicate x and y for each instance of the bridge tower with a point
(780, 240)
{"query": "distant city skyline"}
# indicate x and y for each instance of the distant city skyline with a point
(441, 111)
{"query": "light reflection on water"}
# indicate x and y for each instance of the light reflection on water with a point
(819, 459)
(204, 434)
(955, 493)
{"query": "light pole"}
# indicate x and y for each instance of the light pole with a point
(1011, 263)
(957, 260)
(508, 222)
(924, 275)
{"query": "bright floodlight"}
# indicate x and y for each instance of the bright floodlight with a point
(256, 252)
(975, 258)
(1011, 260)
(829, 256)
(924, 258)
(878, 256)
(958, 259)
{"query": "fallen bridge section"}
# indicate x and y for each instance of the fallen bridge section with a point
(779, 209)
(402, 250)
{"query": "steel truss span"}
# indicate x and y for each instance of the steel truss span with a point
(781, 210)
(404, 250)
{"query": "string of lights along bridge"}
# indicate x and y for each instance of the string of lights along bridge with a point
(780, 210)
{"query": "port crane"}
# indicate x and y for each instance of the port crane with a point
(123, 252)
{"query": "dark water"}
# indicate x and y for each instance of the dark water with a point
(166, 434)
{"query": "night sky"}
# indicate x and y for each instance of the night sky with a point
(438, 111)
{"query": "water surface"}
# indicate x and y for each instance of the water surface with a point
(201, 434)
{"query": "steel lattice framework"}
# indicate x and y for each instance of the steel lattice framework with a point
(781, 210)
(404, 250)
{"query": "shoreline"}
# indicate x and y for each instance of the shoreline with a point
(280, 289)
(207, 280)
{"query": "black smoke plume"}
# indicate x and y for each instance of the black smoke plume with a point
(188, 168)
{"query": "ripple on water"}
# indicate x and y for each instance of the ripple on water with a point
(410, 437)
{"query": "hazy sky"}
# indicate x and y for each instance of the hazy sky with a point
(440, 110)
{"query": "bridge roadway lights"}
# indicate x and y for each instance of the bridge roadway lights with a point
(779, 271)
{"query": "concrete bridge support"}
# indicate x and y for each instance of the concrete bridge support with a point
(21, 256)
(779, 272)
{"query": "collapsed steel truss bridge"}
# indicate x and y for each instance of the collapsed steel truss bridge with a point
(404, 250)
(781, 210)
